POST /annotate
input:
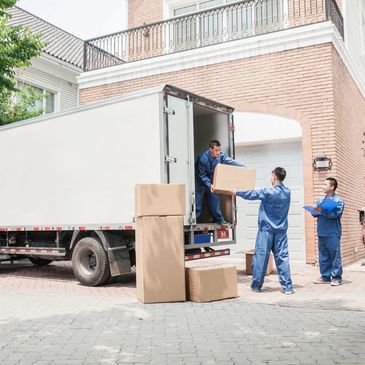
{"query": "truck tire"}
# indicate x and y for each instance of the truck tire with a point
(37, 261)
(90, 262)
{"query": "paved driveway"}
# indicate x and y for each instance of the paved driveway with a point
(46, 317)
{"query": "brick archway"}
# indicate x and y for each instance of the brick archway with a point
(305, 123)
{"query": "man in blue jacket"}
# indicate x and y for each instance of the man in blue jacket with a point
(329, 235)
(272, 233)
(204, 170)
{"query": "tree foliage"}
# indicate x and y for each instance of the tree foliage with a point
(17, 47)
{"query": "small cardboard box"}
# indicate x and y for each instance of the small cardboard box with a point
(227, 178)
(249, 257)
(208, 283)
(159, 200)
(160, 259)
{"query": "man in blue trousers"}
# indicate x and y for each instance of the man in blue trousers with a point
(272, 233)
(329, 234)
(204, 170)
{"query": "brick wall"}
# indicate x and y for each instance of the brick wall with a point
(350, 163)
(298, 84)
(144, 11)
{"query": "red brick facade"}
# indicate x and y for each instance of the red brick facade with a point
(144, 12)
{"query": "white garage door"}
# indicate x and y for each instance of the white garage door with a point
(265, 157)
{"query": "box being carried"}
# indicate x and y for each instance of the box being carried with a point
(208, 283)
(228, 178)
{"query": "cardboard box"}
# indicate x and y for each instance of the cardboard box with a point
(159, 199)
(160, 259)
(249, 257)
(208, 283)
(226, 178)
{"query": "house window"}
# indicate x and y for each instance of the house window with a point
(185, 10)
(46, 100)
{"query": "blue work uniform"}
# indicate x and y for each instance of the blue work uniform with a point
(329, 240)
(272, 234)
(204, 170)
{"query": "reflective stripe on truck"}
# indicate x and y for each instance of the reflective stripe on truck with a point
(205, 255)
(33, 251)
(117, 227)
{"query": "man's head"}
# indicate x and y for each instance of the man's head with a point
(277, 175)
(329, 186)
(214, 148)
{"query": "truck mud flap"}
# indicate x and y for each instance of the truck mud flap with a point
(118, 253)
(119, 260)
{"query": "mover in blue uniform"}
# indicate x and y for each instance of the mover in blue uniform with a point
(204, 170)
(272, 232)
(329, 234)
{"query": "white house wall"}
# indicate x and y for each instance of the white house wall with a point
(55, 78)
(354, 41)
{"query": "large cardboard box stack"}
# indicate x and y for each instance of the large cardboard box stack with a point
(249, 257)
(209, 283)
(160, 259)
(227, 178)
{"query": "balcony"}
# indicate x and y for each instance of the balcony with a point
(239, 20)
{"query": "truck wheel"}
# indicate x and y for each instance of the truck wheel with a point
(36, 261)
(90, 262)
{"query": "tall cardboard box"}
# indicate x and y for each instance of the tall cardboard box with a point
(159, 199)
(208, 283)
(249, 257)
(160, 259)
(227, 178)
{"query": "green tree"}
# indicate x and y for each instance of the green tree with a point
(17, 47)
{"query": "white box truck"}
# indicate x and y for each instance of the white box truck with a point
(67, 179)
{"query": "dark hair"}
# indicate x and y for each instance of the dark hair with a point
(214, 143)
(333, 182)
(280, 173)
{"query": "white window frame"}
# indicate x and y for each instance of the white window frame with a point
(171, 5)
(46, 88)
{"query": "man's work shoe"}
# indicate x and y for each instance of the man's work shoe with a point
(223, 222)
(321, 281)
(255, 290)
(288, 291)
(335, 282)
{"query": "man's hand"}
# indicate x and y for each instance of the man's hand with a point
(317, 209)
(212, 189)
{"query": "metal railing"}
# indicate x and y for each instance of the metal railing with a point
(333, 13)
(226, 23)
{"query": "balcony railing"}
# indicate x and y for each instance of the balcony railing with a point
(227, 23)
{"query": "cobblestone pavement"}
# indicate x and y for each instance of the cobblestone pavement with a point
(46, 317)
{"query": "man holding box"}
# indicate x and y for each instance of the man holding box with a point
(204, 171)
(329, 210)
(272, 233)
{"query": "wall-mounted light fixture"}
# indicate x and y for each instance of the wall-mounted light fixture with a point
(322, 163)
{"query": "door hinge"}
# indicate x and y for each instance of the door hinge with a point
(169, 159)
(168, 111)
